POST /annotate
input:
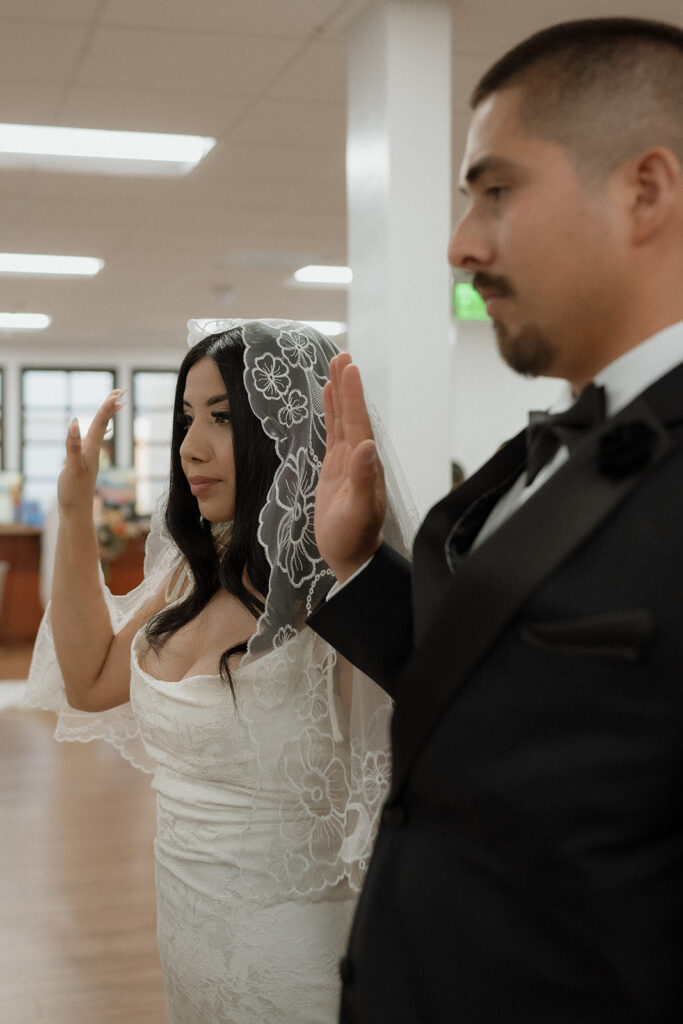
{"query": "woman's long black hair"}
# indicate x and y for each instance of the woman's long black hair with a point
(255, 465)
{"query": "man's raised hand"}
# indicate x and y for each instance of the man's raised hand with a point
(351, 496)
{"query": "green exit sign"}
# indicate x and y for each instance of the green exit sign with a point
(468, 304)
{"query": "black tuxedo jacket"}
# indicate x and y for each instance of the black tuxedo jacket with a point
(529, 863)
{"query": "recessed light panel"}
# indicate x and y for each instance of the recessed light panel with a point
(24, 321)
(92, 151)
(30, 263)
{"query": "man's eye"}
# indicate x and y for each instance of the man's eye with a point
(495, 191)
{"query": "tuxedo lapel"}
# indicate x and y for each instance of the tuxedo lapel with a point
(431, 576)
(493, 581)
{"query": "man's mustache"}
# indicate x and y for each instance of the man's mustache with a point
(482, 281)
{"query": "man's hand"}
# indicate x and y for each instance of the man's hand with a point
(351, 496)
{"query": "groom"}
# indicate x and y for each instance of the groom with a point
(529, 863)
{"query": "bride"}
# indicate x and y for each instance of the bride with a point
(269, 755)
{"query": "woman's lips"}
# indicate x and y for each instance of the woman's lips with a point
(200, 485)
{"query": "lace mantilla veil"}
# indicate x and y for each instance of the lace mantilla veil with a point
(342, 784)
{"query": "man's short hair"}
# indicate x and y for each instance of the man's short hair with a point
(604, 88)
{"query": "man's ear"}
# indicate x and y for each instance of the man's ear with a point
(656, 184)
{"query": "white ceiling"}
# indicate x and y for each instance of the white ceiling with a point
(267, 79)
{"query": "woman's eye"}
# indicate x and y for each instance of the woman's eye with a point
(222, 417)
(184, 420)
(495, 191)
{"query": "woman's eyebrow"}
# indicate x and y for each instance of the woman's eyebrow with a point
(210, 401)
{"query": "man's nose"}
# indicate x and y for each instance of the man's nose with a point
(468, 248)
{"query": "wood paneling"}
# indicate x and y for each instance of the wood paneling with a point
(21, 608)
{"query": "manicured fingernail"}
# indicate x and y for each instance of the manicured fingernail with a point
(74, 428)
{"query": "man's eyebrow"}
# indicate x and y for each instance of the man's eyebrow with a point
(486, 165)
(211, 401)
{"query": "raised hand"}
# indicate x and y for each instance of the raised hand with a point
(351, 496)
(76, 485)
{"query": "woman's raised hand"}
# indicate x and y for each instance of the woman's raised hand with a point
(76, 485)
(350, 500)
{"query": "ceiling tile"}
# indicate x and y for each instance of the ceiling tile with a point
(221, 181)
(348, 15)
(58, 190)
(267, 78)
(240, 160)
(193, 113)
(312, 125)
(28, 103)
(180, 243)
(288, 18)
(318, 73)
(324, 234)
(48, 10)
(183, 62)
(85, 230)
(39, 52)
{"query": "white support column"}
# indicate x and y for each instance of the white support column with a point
(398, 184)
(12, 414)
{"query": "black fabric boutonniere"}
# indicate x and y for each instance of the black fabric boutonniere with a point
(625, 449)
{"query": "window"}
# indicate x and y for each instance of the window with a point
(153, 392)
(50, 399)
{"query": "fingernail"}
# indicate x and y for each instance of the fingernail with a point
(74, 428)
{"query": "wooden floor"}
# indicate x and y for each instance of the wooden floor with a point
(77, 908)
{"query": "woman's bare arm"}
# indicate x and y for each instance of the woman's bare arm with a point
(95, 663)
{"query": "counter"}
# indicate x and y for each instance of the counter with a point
(21, 609)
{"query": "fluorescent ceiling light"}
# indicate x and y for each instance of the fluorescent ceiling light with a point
(28, 263)
(323, 275)
(332, 328)
(24, 321)
(97, 151)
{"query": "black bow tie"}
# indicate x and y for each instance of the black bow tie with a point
(546, 431)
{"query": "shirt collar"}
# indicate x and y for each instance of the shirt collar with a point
(634, 371)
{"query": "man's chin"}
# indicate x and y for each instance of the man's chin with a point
(527, 351)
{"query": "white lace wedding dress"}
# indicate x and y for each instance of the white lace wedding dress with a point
(264, 822)
(267, 806)
(243, 814)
